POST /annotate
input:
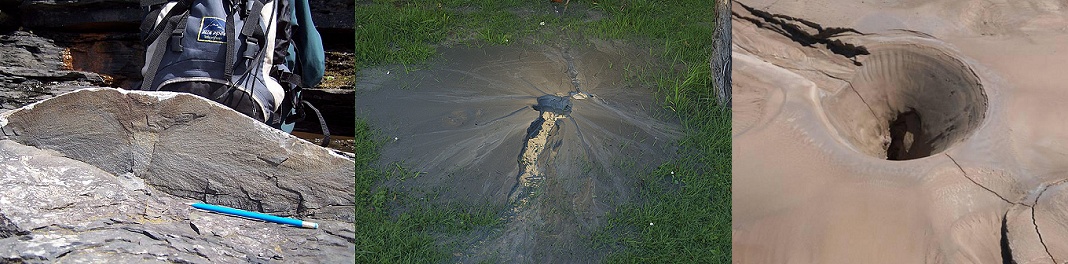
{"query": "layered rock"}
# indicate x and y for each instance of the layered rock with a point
(94, 15)
(117, 56)
(105, 175)
(330, 14)
(190, 147)
(33, 68)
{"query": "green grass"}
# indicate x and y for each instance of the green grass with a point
(687, 200)
(683, 208)
(407, 237)
(408, 32)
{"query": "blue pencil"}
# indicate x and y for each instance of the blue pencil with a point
(255, 215)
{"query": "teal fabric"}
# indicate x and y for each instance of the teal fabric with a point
(306, 55)
(288, 128)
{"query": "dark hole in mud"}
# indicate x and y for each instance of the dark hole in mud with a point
(907, 138)
(908, 102)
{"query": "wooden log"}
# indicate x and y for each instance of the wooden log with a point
(721, 55)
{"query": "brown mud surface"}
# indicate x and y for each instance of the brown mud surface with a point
(469, 125)
(899, 131)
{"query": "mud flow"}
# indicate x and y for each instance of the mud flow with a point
(552, 134)
(908, 102)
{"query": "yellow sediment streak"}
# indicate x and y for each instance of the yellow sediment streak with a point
(528, 162)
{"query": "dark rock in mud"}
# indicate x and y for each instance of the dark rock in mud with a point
(105, 175)
(556, 104)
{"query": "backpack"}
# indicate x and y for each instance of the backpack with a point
(233, 52)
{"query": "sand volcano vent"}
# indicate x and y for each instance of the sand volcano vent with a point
(907, 102)
(511, 127)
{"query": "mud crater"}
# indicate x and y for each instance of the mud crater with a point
(906, 102)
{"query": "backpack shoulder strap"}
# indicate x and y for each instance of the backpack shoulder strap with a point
(310, 57)
(150, 26)
(174, 21)
(252, 31)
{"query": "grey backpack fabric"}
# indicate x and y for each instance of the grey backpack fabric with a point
(230, 51)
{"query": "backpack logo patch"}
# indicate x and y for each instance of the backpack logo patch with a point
(212, 29)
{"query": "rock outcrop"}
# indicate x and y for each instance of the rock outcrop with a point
(91, 15)
(192, 148)
(7, 22)
(33, 68)
(331, 14)
(105, 175)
